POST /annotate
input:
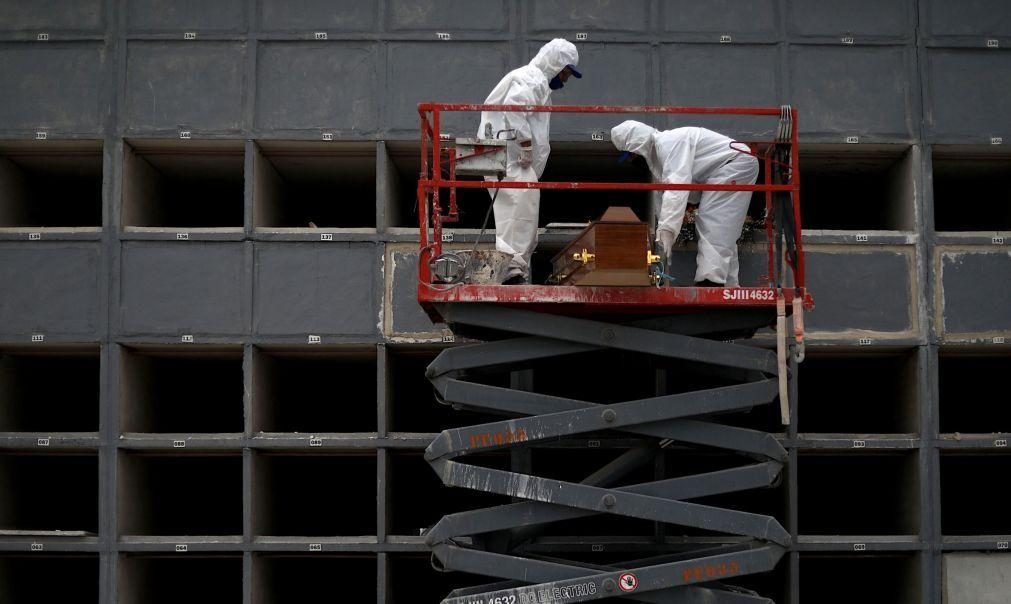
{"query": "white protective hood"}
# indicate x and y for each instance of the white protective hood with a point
(528, 85)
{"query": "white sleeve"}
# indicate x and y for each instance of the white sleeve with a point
(519, 121)
(677, 169)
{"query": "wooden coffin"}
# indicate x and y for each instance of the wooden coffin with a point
(613, 250)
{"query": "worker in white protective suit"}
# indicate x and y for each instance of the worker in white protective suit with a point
(516, 210)
(696, 155)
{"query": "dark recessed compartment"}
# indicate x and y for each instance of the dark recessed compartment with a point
(53, 492)
(314, 495)
(858, 494)
(973, 393)
(308, 185)
(183, 184)
(971, 189)
(181, 391)
(179, 495)
(858, 187)
(165, 579)
(867, 393)
(51, 391)
(299, 390)
(974, 494)
(30, 578)
(883, 578)
(298, 578)
(51, 184)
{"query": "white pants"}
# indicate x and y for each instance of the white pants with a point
(720, 220)
(516, 214)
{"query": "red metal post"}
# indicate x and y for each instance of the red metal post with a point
(799, 277)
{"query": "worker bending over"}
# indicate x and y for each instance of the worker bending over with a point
(516, 210)
(696, 155)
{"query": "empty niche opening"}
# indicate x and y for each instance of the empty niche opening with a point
(882, 401)
(870, 188)
(314, 495)
(858, 494)
(970, 189)
(292, 578)
(157, 579)
(974, 494)
(51, 184)
(192, 391)
(310, 184)
(972, 395)
(314, 391)
(418, 498)
(411, 578)
(178, 184)
(55, 492)
(30, 578)
(413, 406)
(180, 494)
(401, 181)
(892, 578)
(55, 391)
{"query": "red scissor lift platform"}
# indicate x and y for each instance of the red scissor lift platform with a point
(528, 324)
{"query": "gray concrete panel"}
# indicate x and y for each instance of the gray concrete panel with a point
(852, 90)
(188, 15)
(976, 18)
(196, 85)
(720, 75)
(49, 15)
(50, 289)
(976, 578)
(183, 288)
(578, 15)
(310, 288)
(975, 290)
(448, 15)
(405, 314)
(856, 18)
(860, 291)
(294, 78)
(54, 86)
(625, 71)
(317, 15)
(719, 16)
(967, 92)
(450, 72)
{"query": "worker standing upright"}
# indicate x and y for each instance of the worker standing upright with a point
(516, 210)
(696, 155)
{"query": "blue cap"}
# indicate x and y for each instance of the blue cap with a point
(624, 156)
(574, 71)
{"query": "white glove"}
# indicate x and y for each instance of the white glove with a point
(666, 240)
(526, 158)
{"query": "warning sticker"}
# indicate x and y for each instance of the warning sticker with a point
(628, 582)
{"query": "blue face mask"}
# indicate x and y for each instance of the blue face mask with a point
(555, 83)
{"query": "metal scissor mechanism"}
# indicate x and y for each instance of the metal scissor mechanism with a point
(496, 541)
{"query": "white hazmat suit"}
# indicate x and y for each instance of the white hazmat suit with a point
(696, 155)
(516, 210)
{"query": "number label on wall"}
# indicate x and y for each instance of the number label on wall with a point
(37, 547)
